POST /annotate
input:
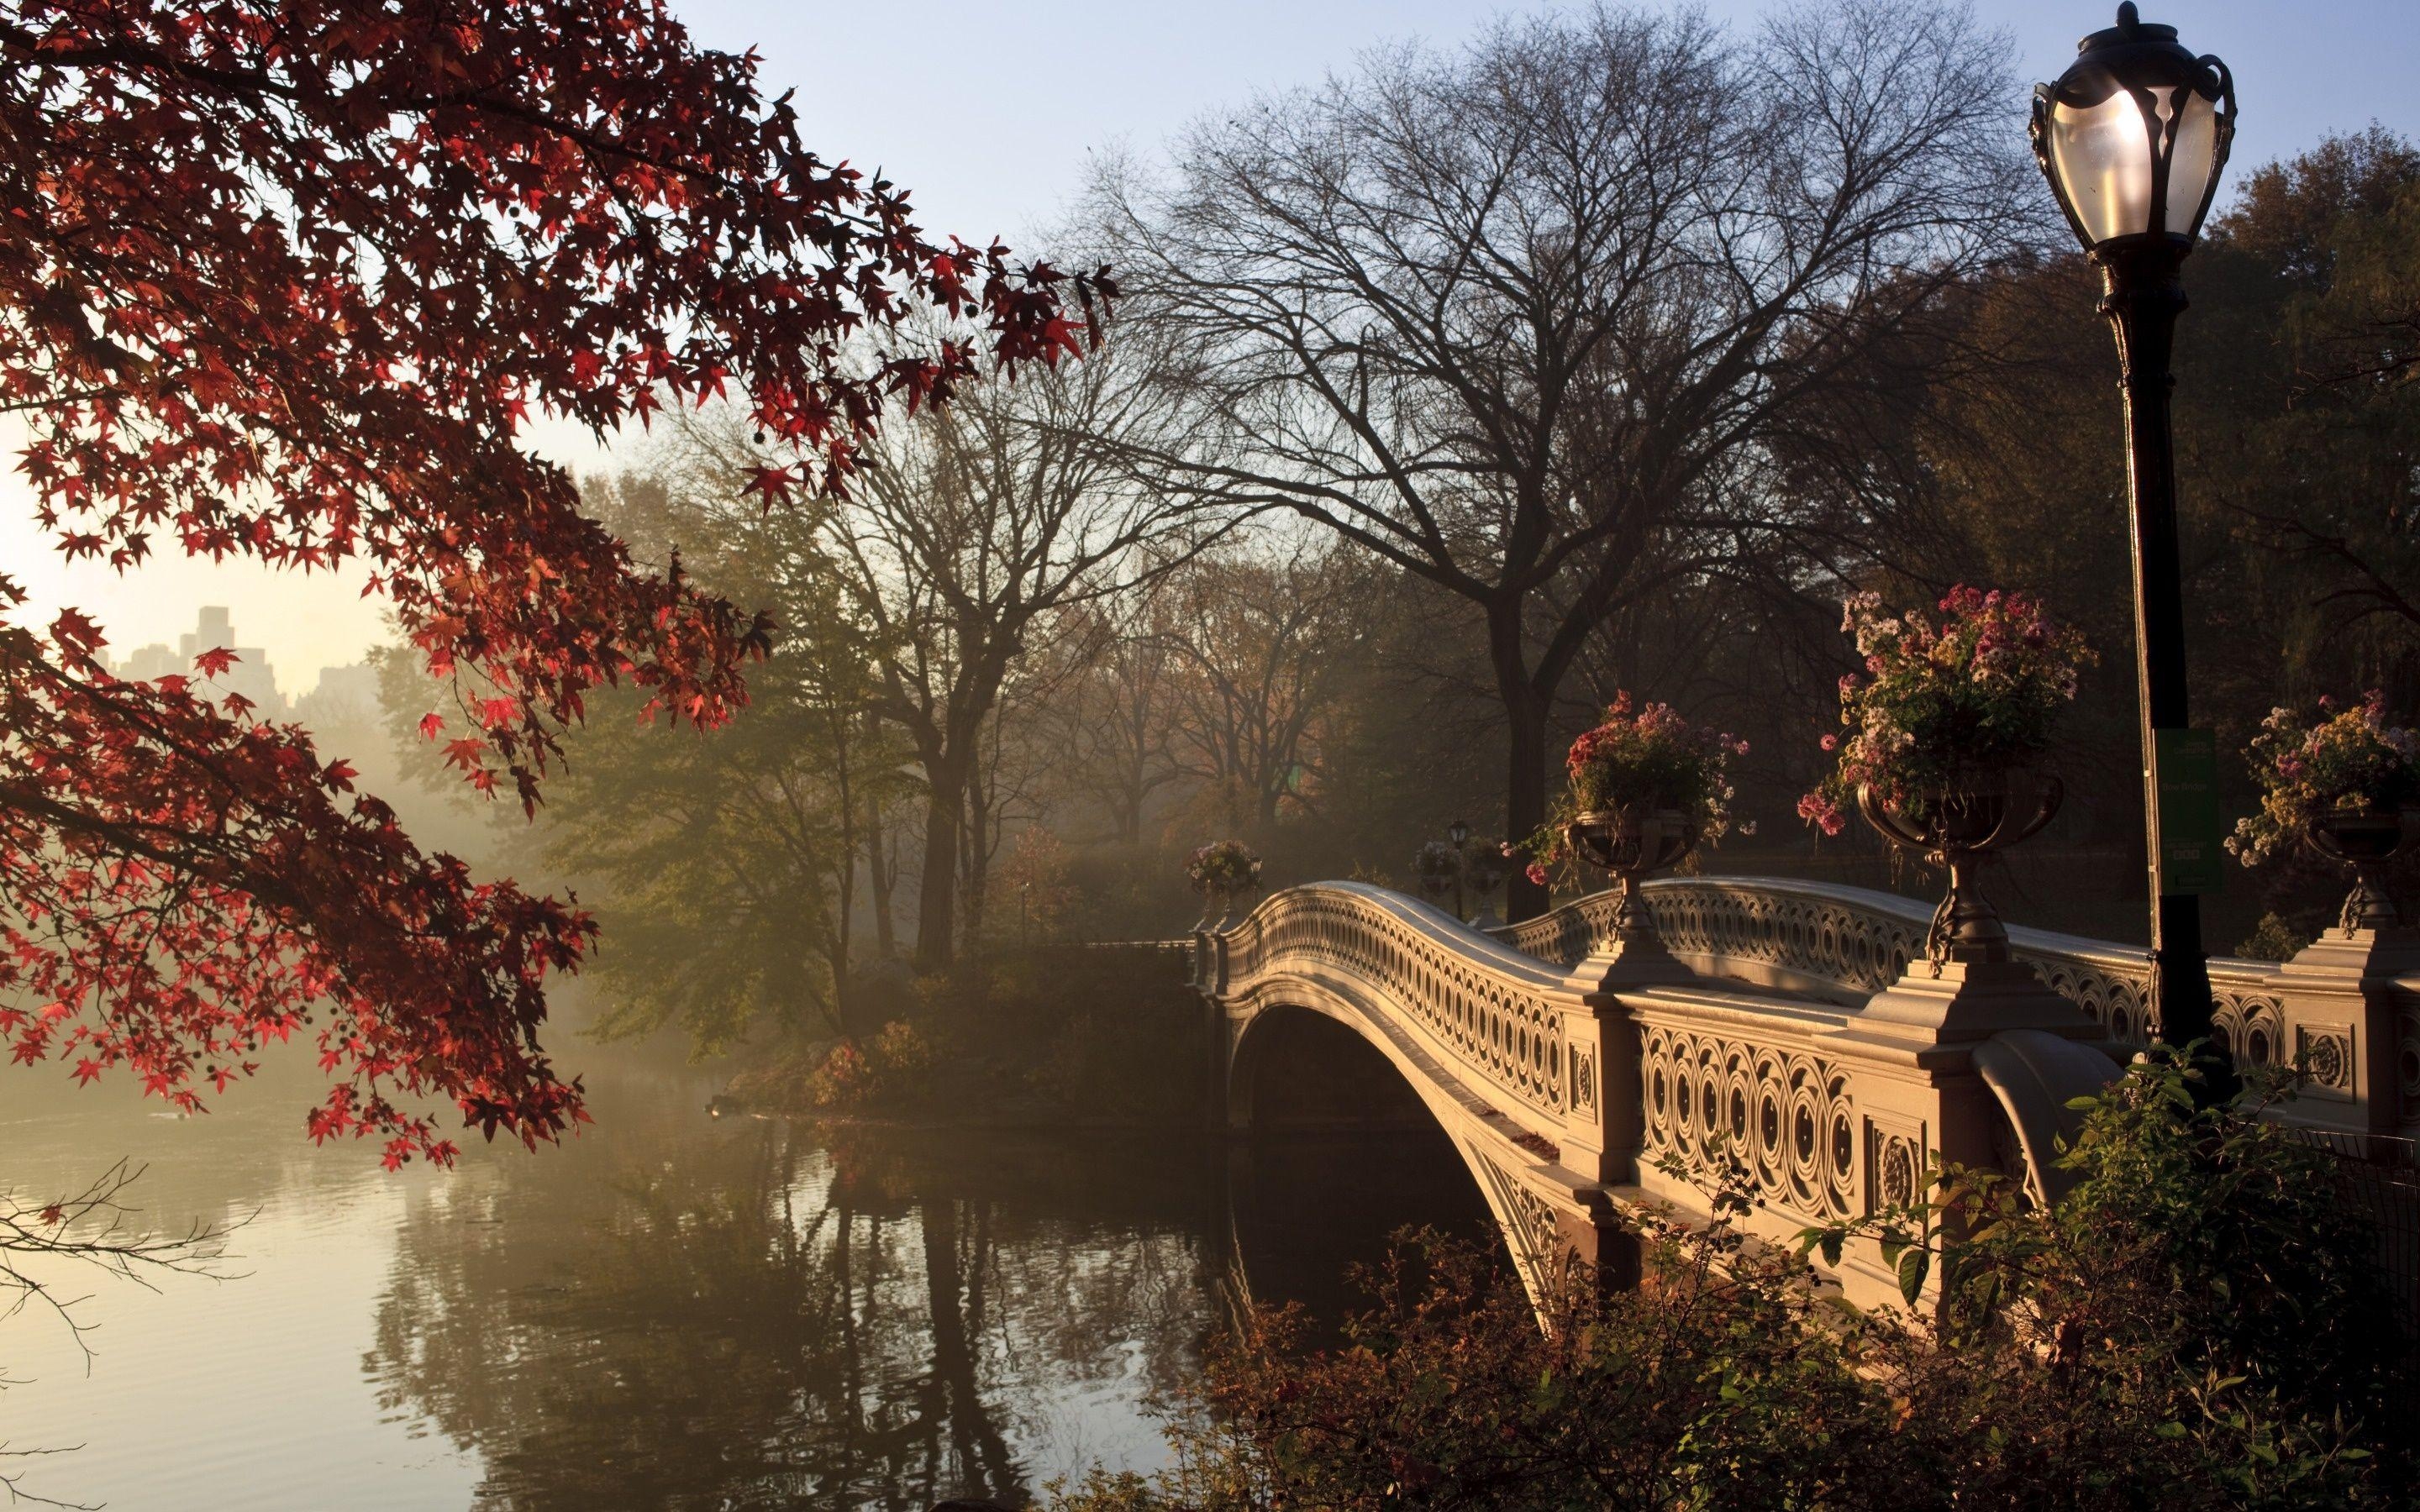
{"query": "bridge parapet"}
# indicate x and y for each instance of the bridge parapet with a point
(1569, 1097)
(1496, 1015)
(1844, 944)
(1791, 1052)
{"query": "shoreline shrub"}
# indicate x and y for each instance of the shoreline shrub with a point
(2199, 1323)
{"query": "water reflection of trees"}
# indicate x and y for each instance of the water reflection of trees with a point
(729, 1315)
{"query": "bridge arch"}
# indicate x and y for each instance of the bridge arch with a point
(1337, 1151)
(1554, 1066)
(1300, 1069)
(1357, 987)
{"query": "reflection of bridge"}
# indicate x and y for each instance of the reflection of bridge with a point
(1783, 1039)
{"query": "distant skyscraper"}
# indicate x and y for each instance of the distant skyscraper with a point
(346, 698)
(147, 662)
(250, 676)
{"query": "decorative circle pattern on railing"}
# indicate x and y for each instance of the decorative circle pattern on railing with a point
(1860, 942)
(1491, 1016)
(1811, 936)
(1779, 1123)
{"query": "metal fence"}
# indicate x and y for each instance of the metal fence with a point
(2381, 1177)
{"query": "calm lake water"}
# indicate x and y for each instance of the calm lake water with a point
(675, 1310)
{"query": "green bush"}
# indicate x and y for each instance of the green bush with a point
(2275, 938)
(1099, 1033)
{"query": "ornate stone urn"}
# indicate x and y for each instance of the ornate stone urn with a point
(1633, 843)
(1973, 988)
(1965, 823)
(2363, 841)
(1228, 897)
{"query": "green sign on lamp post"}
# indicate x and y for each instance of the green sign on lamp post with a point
(2192, 833)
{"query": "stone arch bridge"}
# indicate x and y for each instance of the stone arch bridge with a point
(1777, 1029)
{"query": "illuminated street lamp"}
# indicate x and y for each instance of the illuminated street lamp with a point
(2131, 138)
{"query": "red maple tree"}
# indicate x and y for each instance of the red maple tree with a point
(280, 279)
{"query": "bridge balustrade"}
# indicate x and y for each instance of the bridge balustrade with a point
(1495, 1013)
(1788, 1061)
(1844, 944)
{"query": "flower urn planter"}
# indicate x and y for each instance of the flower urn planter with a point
(1632, 843)
(1486, 874)
(1229, 916)
(1957, 828)
(1969, 988)
(2365, 842)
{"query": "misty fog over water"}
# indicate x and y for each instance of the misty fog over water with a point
(675, 1309)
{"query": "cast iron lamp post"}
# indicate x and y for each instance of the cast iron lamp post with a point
(2131, 138)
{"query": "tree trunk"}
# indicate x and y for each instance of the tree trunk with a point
(882, 876)
(974, 861)
(1525, 797)
(1525, 722)
(842, 1000)
(937, 900)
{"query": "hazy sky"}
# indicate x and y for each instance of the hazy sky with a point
(985, 113)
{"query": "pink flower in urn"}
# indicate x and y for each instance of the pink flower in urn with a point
(2337, 756)
(1536, 873)
(1821, 812)
(1978, 689)
(1641, 756)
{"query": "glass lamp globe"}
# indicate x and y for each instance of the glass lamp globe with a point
(2133, 135)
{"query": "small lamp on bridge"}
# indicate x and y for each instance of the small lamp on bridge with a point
(1458, 833)
(2131, 138)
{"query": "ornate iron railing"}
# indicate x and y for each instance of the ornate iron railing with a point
(1739, 1093)
(1845, 944)
(1764, 1069)
(1493, 1011)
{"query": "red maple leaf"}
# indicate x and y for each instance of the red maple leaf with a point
(772, 483)
(189, 885)
(74, 632)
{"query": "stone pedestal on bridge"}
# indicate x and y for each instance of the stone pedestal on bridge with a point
(2349, 1003)
(1960, 1002)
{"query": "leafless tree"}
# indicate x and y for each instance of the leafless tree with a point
(1113, 725)
(967, 529)
(1518, 317)
(1262, 629)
